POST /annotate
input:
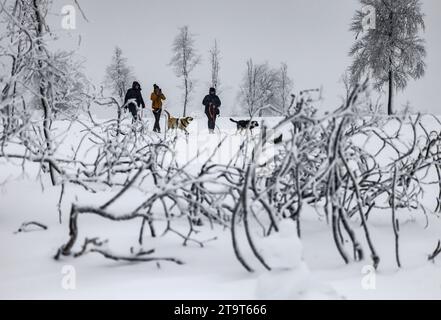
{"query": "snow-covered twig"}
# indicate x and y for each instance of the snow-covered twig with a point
(25, 227)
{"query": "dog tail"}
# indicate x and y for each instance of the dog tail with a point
(232, 120)
(168, 114)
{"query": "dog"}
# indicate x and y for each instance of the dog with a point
(178, 123)
(243, 125)
(278, 140)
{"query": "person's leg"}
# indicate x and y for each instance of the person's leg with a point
(135, 117)
(139, 112)
(214, 121)
(207, 113)
(156, 121)
(157, 115)
(133, 111)
(213, 118)
(159, 120)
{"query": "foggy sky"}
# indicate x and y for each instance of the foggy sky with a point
(311, 36)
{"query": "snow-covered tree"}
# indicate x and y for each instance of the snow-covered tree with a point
(259, 88)
(31, 66)
(392, 52)
(215, 66)
(284, 89)
(69, 85)
(119, 74)
(184, 60)
(34, 78)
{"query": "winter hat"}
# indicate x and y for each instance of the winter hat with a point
(136, 84)
(212, 90)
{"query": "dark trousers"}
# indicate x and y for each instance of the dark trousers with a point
(134, 111)
(157, 115)
(211, 113)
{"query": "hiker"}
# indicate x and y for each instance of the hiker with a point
(157, 96)
(212, 104)
(133, 101)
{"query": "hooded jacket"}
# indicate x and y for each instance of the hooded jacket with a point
(212, 98)
(134, 93)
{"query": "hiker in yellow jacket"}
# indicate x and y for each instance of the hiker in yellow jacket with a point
(157, 96)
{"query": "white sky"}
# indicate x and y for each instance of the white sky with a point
(311, 36)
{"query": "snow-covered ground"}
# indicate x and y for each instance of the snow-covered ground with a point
(309, 268)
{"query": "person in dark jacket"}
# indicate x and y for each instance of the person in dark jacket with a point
(212, 104)
(134, 100)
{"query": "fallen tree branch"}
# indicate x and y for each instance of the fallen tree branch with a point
(25, 227)
(114, 257)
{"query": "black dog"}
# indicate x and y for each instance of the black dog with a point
(279, 139)
(243, 125)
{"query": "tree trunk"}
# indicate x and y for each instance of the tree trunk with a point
(391, 94)
(118, 124)
(43, 90)
(390, 103)
(186, 96)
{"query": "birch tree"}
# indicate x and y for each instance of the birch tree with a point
(184, 60)
(258, 89)
(284, 89)
(31, 62)
(215, 66)
(35, 78)
(119, 75)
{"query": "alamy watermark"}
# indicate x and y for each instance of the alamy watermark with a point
(369, 279)
(369, 21)
(69, 279)
(69, 17)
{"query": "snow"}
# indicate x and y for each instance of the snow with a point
(290, 277)
(306, 268)
(283, 250)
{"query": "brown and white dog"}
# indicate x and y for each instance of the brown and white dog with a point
(178, 123)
